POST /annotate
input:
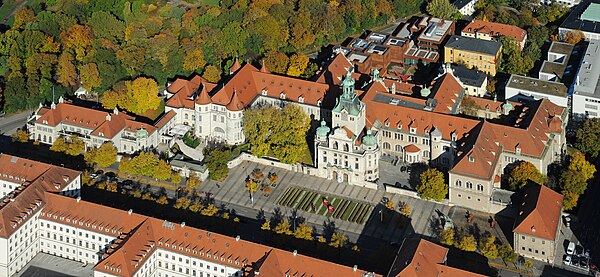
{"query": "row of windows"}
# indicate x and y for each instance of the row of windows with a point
(469, 185)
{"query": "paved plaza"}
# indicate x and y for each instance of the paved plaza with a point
(46, 265)
(232, 192)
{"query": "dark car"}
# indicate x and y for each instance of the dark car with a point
(127, 184)
(99, 172)
(583, 263)
(575, 260)
(579, 250)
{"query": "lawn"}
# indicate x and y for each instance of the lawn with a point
(344, 209)
(7, 8)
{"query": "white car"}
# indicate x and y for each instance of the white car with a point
(571, 248)
(567, 259)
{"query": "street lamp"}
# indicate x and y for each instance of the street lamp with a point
(381, 214)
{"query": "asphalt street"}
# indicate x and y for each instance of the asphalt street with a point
(10, 123)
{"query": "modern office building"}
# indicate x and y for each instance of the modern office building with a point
(586, 87)
(585, 17)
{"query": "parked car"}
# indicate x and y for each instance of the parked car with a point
(99, 172)
(575, 260)
(567, 259)
(93, 175)
(588, 253)
(583, 263)
(579, 250)
(571, 248)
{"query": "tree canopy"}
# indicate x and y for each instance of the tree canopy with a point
(96, 43)
(588, 137)
(103, 156)
(574, 179)
(522, 173)
(433, 186)
(281, 132)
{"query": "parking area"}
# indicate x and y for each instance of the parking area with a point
(47, 265)
(398, 174)
(570, 254)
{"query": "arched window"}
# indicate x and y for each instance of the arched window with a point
(479, 187)
(398, 148)
(335, 145)
(346, 147)
(458, 183)
(386, 145)
(469, 185)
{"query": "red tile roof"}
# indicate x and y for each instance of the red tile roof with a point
(34, 178)
(446, 92)
(165, 119)
(495, 29)
(540, 213)
(142, 235)
(411, 148)
(419, 258)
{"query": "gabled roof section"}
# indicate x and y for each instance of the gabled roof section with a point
(335, 71)
(419, 258)
(448, 91)
(31, 179)
(540, 212)
(495, 29)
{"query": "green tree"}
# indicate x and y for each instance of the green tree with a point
(66, 70)
(210, 210)
(487, 246)
(283, 228)
(276, 62)
(432, 186)
(507, 254)
(103, 156)
(212, 74)
(216, 162)
(175, 178)
(588, 137)
(193, 182)
(20, 136)
(522, 173)
(570, 200)
(467, 243)
(162, 171)
(162, 200)
(304, 232)
(297, 65)
(447, 236)
(142, 95)
(266, 225)
(442, 9)
(182, 203)
(338, 240)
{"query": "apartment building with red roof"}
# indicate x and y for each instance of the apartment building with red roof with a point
(537, 226)
(41, 214)
(23, 184)
(419, 257)
(96, 127)
(494, 31)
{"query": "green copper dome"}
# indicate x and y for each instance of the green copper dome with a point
(369, 139)
(141, 133)
(425, 92)
(323, 130)
(507, 106)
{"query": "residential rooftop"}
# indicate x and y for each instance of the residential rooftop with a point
(474, 45)
(436, 28)
(495, 29)
(586, 81)
(459, 4)
(537, 85)
(470, 77)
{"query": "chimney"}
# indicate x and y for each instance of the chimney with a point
(78, 199)
(182, 224)
(130, 211)
(237, 238)
(61, 100)
(355, 267)
(295, 252)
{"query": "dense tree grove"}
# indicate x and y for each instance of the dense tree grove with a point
(53, 47)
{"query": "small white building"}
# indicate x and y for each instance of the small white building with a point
(522, 88)
(465, 7)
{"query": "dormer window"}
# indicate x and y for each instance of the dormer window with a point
(319, 102)
(454, 136)
(45, 121)
(413, 130)
(101, 134)
(518, 150)
(264, 91)
(282, 95)
(301, 99)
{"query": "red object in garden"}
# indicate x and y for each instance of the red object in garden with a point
(325, 202)
(330, 208)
